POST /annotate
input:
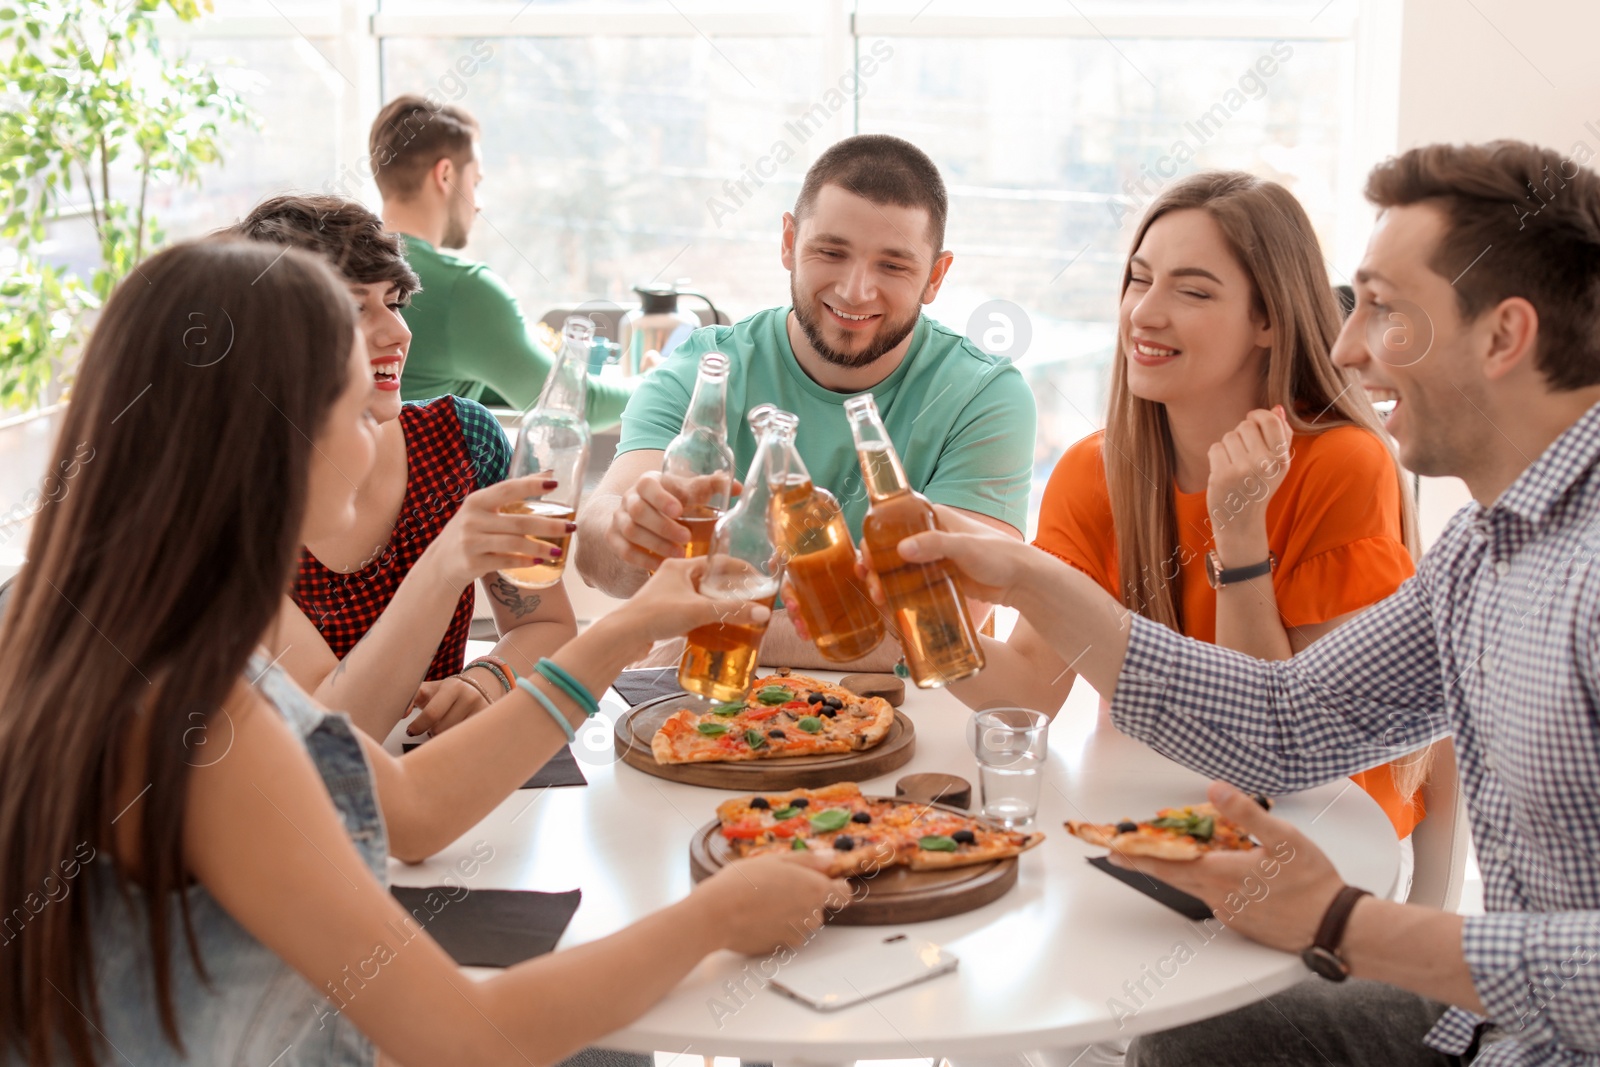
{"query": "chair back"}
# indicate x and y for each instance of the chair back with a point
(1441, 839)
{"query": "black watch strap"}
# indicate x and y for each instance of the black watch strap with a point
(1323, 955)
(1219, 577)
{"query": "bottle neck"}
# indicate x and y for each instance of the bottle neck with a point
(880, 464)
(567, 388)
(708, 408)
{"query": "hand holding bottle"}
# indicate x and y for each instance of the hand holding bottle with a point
(481, 538)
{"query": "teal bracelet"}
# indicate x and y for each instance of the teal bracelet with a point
(556, 676)
(492, 668)
(549, 705)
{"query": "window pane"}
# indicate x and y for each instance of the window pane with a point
(1038, 138)
(615, 161)
(294, 91)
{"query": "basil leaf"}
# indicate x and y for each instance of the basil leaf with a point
(774, 694)
(810, 724)
(1203, 828)
(755, 738)
(711, 729)
(785, 813)
(726, 710)
(832, 819)
(1171, 822)
(799, 845)
(938, 843)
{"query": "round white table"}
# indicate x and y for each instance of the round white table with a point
(1068, 957)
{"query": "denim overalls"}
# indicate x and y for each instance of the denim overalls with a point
(254, 1010)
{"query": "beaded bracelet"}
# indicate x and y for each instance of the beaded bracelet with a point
(505, 668)
(500, 674)
(462, 674)
(557, 676)
(561, 720)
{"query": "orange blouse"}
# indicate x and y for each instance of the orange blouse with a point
(1334, 525)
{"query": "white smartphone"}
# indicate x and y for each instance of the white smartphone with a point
(831, 972)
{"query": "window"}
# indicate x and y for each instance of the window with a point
(643, 141)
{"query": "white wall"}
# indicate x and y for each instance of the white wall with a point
(1476, 70)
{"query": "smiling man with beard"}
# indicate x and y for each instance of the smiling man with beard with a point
(864, 249)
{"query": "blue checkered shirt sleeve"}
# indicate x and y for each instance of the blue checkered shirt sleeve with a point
(1363, 695)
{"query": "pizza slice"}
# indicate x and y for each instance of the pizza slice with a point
(862, 835)
(784, 715)
(1185, 833)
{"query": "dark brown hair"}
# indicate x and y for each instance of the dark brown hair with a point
(149, 582)
(1522, 221)
(342, 231)
(409, 136)
(883, 170)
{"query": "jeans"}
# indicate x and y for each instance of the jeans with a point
(1317, 1021)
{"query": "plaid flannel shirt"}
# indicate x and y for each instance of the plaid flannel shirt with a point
(1494, 641)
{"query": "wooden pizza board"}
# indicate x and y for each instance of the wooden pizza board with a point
(892, 896)
(637, 727)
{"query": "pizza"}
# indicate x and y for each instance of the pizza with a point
(783, 715)
(862, 835)
(1174, 834)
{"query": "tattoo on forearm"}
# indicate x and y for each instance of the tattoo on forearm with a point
(512, 598)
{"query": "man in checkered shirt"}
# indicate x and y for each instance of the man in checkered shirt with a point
(1479, 313)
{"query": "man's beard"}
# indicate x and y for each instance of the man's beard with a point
(456, 229)
(889, 334)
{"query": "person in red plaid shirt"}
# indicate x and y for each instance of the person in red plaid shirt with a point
(378, 617)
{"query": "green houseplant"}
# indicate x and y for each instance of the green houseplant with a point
(94, 112)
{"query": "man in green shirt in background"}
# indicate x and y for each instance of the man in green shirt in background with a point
(864, 250)
(469, 337)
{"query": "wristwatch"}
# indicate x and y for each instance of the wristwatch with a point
(1323, 955)
(1218, 577)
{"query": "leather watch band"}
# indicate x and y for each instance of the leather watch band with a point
(1323, 955)
(1219, 576)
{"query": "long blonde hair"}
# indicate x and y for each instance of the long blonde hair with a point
(1272, 239)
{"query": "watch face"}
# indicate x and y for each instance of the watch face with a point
(1211, 569)
(1325, 963)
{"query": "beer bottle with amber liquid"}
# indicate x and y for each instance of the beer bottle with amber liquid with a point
(719, 659)
(553, 440)
(924, 599)
(698, 465)
(819, 554)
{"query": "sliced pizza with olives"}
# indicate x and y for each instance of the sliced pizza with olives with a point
(783, 715)
(1174, 834)
(862, 835)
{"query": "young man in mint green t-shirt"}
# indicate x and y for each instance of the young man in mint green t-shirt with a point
(864, 248)
(468, 334)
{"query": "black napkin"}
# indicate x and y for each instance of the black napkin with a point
(1154, 888)
(490, 927)
(561, 769)
(647, 684)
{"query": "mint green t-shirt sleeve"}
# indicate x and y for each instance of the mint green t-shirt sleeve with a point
(656, 411)
(490, 342)
(986, 465)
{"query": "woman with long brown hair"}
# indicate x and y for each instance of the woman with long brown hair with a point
(1242, 491)
(192, 849)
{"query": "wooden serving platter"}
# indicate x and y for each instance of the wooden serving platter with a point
(892, 896)
(637, 727)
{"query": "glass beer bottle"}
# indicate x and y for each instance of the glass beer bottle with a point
(698, 466)
(553, 440)
(719, 660)
(925, 599)
(819, 555)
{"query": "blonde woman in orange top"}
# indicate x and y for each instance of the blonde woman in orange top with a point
(1241, 491)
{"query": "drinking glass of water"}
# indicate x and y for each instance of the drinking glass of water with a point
(1010, 744)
